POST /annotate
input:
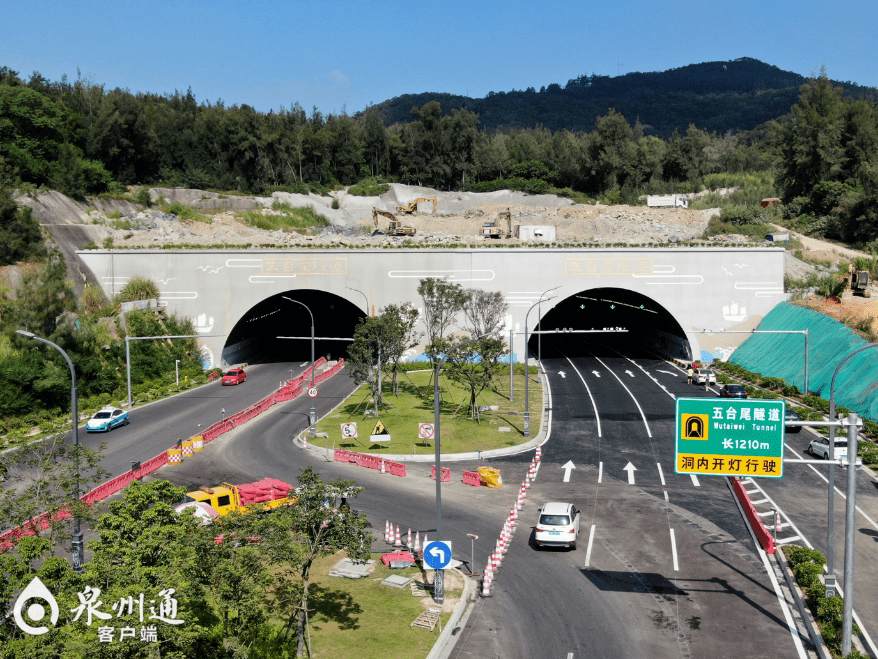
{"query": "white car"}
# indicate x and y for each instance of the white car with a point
(819, 448)
(107, 418)
(703, 375)
(558, 525)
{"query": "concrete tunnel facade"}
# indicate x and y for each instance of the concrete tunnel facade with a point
(693, 288)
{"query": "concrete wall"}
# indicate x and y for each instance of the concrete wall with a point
(703, 288)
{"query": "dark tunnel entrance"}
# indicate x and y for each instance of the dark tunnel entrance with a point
(626, 322)
(254, 338)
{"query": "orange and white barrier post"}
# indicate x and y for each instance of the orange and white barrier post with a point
(408, 541)
(398, 542)
(418, 542)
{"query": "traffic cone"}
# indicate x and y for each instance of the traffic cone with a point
(425, 541)
(418, 542)
(486, 588)
(398, 542)
(387, 531)
(408, 542)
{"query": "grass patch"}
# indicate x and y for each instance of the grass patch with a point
(183, 211)
(459, 433)
(123, 223)
(361, 619)
(282, 216)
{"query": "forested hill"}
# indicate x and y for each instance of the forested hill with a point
(716, 96)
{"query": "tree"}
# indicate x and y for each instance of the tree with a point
(810, 144)
(399, 336)
(364, 355)
(443, 301)
(45, 474)
(43, 295)
(294, 536)
(20, 235)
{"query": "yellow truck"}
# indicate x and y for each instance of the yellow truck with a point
(268, 493)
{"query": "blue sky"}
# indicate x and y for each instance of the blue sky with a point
(346, 55)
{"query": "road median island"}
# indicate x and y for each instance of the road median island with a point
(501, 423)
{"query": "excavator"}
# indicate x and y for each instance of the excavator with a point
(394, 229)
(494, 230)
(413, 207)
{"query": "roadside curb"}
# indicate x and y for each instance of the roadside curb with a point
(470, 456)
(804, 612)
(444, 645)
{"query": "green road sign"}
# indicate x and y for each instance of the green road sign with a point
(730, 437)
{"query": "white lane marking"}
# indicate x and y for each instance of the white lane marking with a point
(760, 501)
(591, 398)
(600, 471)
(751, 491)
(567, 467)
(784, 541)
(642, 415)
(588, 551)
(658, 370)
(695, 480)
(630, 468)
(666, 496)
(649, 375)
(826, 480)
(661, 474)
(562, 374)
(674, 551)
(810, 546)
(770, 570)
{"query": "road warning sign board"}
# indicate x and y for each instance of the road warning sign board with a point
(349, 430)
(380, 433)
(426, 430)
(722, 437)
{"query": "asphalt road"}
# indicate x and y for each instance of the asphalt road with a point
(671, 570)
(157, 426)
(628, 600)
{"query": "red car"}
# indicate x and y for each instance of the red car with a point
(234, 376)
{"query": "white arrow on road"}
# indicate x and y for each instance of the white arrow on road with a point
(668, 372)
(436, 551)
(596, 374)
(630, 373)
(567, 469)
(630, 468)
(562, 374)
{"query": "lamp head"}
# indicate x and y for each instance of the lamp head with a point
(29, 335)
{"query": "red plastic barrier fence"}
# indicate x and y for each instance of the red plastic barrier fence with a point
(762, 534)
(446, 474)
(469, 478)
(396, 469)
(288, 392)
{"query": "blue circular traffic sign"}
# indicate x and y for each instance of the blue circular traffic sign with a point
(437, 554)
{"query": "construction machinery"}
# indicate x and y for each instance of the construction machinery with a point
(266, 494)
(859, 281)
(395, 228)
(413, 207)
(494, 230)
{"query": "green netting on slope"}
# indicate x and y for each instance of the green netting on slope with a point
(829, 342)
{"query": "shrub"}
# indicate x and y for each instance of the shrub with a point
(139, 288)
(143, 197)
(335, 204)
(369, 187)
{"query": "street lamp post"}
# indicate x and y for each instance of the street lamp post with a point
(540, 336)
(438, 585)
(313, 414)
(830, 554)
(361, 293)
(526, 372)
(76, 545)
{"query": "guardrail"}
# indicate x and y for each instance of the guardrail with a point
(291, 390)
(762, 534)
(371, 462)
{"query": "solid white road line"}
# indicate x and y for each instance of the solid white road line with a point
(760, 501)
(600, 471)
(857, 620)
(590, 397)
(674, 551)
(770, 570)
(661, 475)
(695, 480)
(843, 496)
(640, 409)
(786, 541)
(666, 496)
(588, 551)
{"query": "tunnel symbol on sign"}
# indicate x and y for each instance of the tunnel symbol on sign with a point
(694, 426)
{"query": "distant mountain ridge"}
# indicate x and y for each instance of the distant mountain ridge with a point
(718, 96)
